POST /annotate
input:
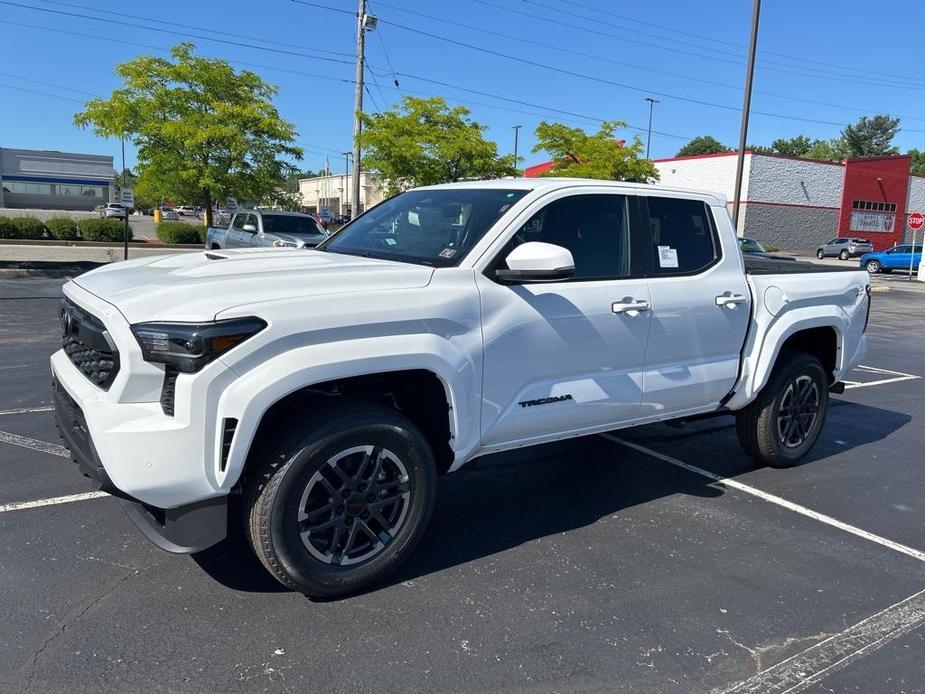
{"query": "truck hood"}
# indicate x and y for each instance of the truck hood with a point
(197, 286)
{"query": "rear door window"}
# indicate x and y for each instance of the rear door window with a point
(681, 236)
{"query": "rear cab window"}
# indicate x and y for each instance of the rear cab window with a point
(680, 236)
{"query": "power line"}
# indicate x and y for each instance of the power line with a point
(387, 59)
(664, 47)
(47, 84)
(200, 37)
(675, 31)
(36, 91)
(562, 49)
(229, 34)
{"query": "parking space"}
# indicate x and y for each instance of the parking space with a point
(655, 559)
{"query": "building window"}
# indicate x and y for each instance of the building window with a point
(57, 189)
(873, 217)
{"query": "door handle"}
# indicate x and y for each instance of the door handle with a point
(729, 300)
(630, 307)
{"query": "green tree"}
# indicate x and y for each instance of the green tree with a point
(870, 137)
(424, 142)
(203, 131)
(703, 144)
(601, 155)
(796, 146)
(918, 161)
(826, 150)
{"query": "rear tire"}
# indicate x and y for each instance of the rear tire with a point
(341, 501)
(844, 255)
(784, 422)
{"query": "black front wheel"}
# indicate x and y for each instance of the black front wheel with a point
(342, 500)
(785, 420)
(820, 254)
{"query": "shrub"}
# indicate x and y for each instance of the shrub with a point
(7, 228)
(62, 228)
(770, 249)
(180, 232)
(102, 229)
(24, 228)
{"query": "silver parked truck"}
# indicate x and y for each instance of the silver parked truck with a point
(250, 228)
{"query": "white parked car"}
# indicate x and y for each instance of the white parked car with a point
(327, 389)
(113, 209)
(186, 211)
(169, 215)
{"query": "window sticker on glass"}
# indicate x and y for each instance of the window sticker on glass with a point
(667, 256)
(447, 253)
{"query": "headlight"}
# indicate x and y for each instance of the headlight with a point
(279, 243)
(190, 346)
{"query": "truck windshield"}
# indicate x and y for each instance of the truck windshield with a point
(427, 227)
(290, 224)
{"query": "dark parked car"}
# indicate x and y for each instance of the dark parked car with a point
(752, 247)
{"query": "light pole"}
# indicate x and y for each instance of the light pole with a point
(746, 106)
(125, 231)
(516, 138)
(652, 103)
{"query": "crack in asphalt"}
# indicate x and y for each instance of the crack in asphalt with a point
(67, 623)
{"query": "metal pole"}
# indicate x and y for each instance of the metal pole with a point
(912, 255)
(652, 103)
(516, 138)
(125, 232)
(358, 107)
(746, 107)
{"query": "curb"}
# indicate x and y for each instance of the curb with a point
(46, 268)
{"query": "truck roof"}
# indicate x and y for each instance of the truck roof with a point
(548, 183)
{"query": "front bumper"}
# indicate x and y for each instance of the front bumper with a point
(182, 530)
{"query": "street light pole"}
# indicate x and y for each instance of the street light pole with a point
(516, 138)
(358, 107)
(652, 103)
(125, 231)
(746, 107)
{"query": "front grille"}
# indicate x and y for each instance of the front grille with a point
(87, 344)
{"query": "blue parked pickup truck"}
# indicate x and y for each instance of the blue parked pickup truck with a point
(250, 228)
(896, 258)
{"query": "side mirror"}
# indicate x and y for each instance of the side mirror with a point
(249, 227)
(535, 261)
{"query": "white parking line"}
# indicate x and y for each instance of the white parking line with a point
(773, 499)
(34, 444)
(895, 377)
(836, 652)
(26, 410)
(22, 505)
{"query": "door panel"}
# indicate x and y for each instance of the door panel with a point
(701, 306)
(556, 356)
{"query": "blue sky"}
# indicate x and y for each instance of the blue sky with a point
(821, 64)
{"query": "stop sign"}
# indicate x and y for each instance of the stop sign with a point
(916, 221)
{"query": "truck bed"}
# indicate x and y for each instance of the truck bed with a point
(757, 265)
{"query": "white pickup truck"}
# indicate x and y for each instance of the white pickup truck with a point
(318, 394)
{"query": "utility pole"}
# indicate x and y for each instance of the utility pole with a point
(516, 136)
(652, 103)
(746, 107)
(345, 196)
(125, 231)
(358, 107)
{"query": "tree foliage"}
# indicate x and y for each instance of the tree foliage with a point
(203, 131)
(870, 137)
(703, 144)
(600, 155)
(425, 142)
(918, 161)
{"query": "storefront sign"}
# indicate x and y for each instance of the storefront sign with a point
(873, 222)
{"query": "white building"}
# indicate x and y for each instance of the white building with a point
(333, 192)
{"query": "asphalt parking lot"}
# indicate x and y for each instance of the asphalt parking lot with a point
(657, 559)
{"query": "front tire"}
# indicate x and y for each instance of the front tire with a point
(820, 254)
(338, 504)
(784, 422)
(872, 266)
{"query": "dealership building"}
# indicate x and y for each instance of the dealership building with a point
(49, 180)
(796, 204)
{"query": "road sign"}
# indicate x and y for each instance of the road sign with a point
(916, 221)
(127, 197)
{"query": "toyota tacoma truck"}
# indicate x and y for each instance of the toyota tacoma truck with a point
(316, 396)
